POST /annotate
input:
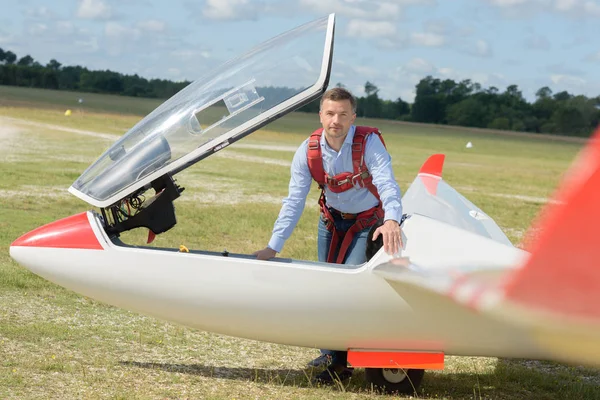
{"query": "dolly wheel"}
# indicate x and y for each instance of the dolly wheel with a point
(395, 380)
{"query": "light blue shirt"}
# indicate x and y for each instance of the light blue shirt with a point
(353, 201)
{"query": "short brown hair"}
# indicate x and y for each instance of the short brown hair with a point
(339, 94)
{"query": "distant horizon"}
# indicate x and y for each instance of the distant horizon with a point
(331, 84)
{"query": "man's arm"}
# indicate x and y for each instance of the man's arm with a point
(293, 205)
(379, 163)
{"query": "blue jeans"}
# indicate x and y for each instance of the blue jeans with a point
(355, 255)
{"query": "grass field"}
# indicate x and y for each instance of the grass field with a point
(57, 344)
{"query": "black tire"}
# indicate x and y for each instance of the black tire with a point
(388, 380)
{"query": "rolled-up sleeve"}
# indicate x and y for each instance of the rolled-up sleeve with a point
(379, 163)
(293, 204)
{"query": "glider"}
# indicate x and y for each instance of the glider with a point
(461, 287)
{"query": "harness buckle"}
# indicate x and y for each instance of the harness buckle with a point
(343, 181)
(358, 179)
(313, 144)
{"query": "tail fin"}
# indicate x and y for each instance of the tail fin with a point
(431, 172)
(562, 274)
(434, 165)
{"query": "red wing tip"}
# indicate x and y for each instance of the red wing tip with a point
(434, 165)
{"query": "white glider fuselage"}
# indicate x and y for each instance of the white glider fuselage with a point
(465, 291)
(293, 302)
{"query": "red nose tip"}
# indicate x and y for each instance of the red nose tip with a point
(72, 232)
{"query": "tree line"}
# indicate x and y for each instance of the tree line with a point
(466, 103)
(463, 103)
(27, 72)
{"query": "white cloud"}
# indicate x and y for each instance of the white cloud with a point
(188, 55)
(40, 12)
(174, 72)
(115, 30)
(89, 45)
(568, 80)
(573, 84)
(366, 71)
(119, 38)
(183, 55)
(38, 29)
(6, 38)
(474, 47)
(354, 76)
(94, 9)
(232, 9)
(427, 39)
(575, 8)
(362, 9)
(592, 8)
(482, 49)
(152, 25)
(565, 5)
(364, 29)
(419, 65)
(446, 72)
(64, 27)
(485, 79)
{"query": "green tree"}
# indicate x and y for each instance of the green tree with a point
(400, 108)
(468, 112)
(543, 93)
(429, 105)
(562, 96)
(25, 61)
(371, 89)
(10, 57)
(569, 120)
(53, 65)
(502, 123)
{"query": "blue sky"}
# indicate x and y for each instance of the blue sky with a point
(392, 43)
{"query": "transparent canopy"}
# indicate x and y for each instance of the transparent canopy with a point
(230, 102)
(432, 197)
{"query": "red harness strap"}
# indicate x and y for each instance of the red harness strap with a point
(363, 220)
(359, 177)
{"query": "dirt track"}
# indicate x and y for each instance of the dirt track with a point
(7, 123)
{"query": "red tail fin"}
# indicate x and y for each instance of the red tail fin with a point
(431, 172)
(434, 165)
(563, 273)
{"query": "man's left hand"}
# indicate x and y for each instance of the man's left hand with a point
(392, 236)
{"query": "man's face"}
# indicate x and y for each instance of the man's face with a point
(336, 117)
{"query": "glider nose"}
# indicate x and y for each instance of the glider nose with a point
(74, 232)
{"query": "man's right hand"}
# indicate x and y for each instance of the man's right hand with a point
(265, 254)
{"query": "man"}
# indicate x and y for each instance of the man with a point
(351, 202)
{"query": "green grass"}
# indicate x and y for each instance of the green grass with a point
(57, 344)
(13, 96)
